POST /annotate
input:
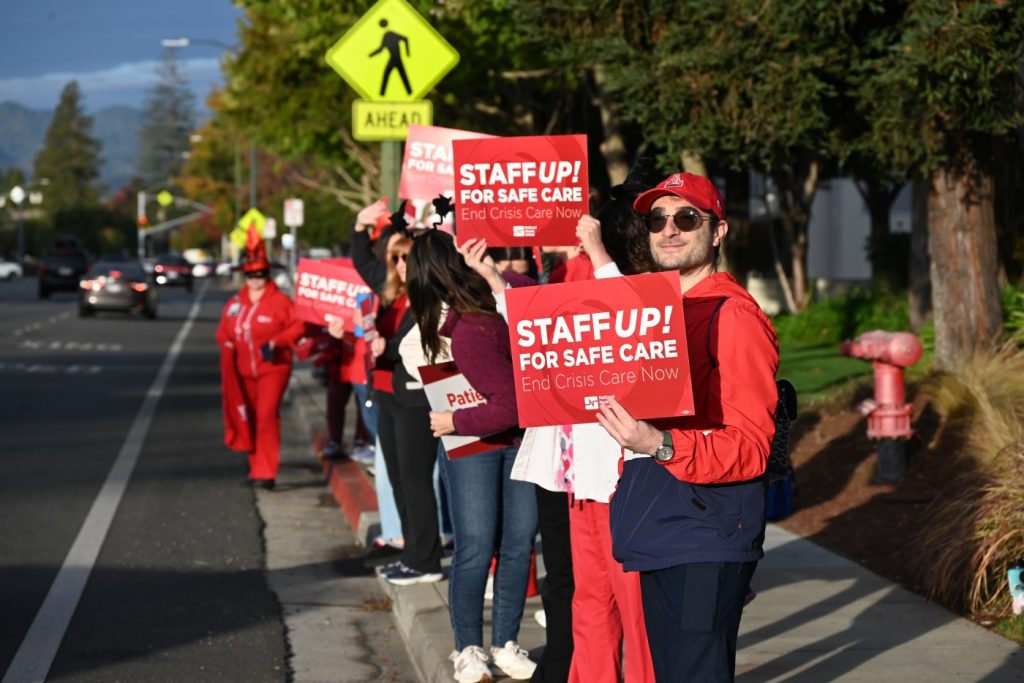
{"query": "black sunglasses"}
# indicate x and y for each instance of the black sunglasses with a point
(254, 274)
(395, 257)
(686, 219)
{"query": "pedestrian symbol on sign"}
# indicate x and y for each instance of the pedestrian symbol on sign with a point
(392, 42)
(392, 27)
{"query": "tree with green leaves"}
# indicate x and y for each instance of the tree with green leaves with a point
(747, 85)
(70, 156)
(168, 118)
(944, 95)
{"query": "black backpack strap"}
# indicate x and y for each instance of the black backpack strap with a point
(711, 323)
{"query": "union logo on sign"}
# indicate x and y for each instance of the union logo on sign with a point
(392, 54)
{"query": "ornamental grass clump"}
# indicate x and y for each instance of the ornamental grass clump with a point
(976, 529)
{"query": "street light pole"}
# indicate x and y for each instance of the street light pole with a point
(18, 195)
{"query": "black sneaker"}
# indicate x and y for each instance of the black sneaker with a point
(265, 484)
(400, 575)
(333, 451)
(379, 555)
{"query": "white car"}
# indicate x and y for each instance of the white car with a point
(9, 270)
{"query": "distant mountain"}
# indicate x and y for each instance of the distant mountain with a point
(21, 135)
(116, 128)
(23, 130)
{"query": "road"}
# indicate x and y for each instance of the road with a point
(116, 487)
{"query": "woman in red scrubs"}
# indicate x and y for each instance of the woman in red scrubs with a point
(258, 330)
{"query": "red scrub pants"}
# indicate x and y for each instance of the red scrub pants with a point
(263, 399)
(607, 607)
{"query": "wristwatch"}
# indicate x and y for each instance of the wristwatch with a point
(665, 451)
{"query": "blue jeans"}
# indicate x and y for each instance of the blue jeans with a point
(369, 414)
(490, 512)
(390, 523)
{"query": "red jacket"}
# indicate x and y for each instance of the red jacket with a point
(707, 504)
(245, 327)
(732, 367)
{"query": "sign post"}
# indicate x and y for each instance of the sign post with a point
(294, 211)
(392, 57)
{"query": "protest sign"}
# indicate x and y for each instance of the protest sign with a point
(576, 344)
(447, 389)
(327, 289)
(427, 169)
(522, 191)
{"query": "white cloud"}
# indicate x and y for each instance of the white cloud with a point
(123, 84)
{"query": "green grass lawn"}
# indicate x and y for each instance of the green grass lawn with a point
(815, 369)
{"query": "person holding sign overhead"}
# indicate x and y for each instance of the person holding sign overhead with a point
(689, 510)
(490, 512)
(408, 448)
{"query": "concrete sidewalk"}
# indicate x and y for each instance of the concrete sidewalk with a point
(818, 617)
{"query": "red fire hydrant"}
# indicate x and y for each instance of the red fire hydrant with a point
(889, 418)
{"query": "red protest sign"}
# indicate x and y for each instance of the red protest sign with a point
(327, 289)
(521, 191)
(576, 344)
(448, 389)
(427, 168)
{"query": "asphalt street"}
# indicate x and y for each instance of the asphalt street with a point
(179, 588)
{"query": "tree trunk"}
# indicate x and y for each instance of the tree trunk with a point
(919, 293)
(796, 190)
(736, 245)
(964, 263)
(693, 163)
(879, 197)
(613, 147)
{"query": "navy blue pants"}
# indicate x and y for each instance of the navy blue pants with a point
(693, 617)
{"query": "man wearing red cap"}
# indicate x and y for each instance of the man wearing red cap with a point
(689, 510)
(258, 330)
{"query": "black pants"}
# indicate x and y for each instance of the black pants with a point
(556, 593)
(410, 451)
(338, 393)
(693, 618)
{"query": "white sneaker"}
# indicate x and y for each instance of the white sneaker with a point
(514, 661)
(541, 618)
(470, 665)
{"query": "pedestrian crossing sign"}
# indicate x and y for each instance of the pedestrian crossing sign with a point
(255, 216)
(392, 54)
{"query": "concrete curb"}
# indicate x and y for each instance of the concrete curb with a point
(346, 479)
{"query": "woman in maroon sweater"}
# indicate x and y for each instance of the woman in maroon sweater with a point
(483, 497)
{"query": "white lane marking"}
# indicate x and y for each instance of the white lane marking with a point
(38, 649)
(35, 326)
(38, 344)
(50, 368)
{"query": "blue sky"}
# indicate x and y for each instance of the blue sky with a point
(111, 47)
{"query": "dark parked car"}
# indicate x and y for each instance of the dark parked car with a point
(123, 286)
(173, 269)
(62, 266)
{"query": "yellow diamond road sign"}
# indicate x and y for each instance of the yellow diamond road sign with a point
(238, 237)
(252, 216)
(392, 54)
(388, 120)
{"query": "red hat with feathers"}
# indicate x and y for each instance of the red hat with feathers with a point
(255, 252)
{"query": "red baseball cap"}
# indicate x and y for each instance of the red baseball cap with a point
(695, 189)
